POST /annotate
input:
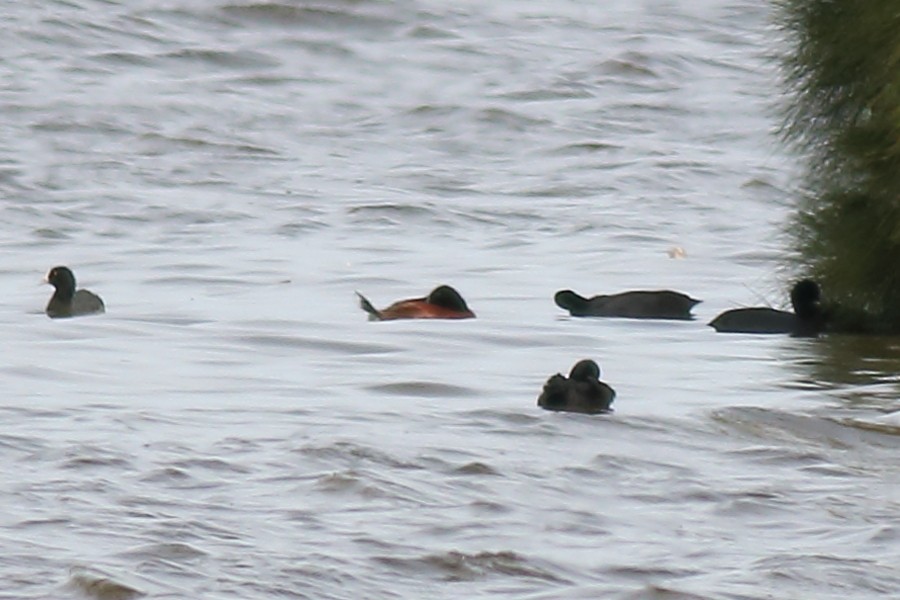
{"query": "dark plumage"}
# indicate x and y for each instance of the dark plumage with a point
(66, 302)
(443, 302)
(807, 320)
(581, 392)
(641, 304)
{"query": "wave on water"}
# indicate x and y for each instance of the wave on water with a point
(341, 15)
(99, 586)
(456, 566)
(427, 389)
(825, 435)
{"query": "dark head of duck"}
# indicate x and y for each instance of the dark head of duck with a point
(811, 319)
(570, 301)
(447, 297)
(63, 280)
(805, 297)
(585, 370)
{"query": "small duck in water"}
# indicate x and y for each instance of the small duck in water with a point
(581, 392)
(640, 304)
(807, 320)
(443, 302)
(66, 302)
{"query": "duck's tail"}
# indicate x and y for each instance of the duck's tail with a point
(553, 396)
(374, 314)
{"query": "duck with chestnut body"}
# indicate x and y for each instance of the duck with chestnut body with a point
(443, 302)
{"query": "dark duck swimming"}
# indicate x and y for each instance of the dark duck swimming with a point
(639, 304)
(807, 320)
(580, 392)
(443, 302)
(66, 300)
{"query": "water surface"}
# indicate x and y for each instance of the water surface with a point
(227, 174)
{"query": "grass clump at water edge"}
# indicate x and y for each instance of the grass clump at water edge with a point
(842, 73)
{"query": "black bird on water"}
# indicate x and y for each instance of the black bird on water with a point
(581, 392)
(807, 320)
(66, 301)
(638, 304)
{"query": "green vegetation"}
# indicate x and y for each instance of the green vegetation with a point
(842, 72)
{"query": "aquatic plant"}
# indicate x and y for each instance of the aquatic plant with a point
(842, 73)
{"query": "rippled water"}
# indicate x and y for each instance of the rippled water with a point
(227, 174)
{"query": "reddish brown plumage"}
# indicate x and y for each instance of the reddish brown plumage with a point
(442, 303)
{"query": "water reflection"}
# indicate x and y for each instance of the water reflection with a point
(865, 370)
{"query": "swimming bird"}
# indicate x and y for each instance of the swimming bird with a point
(66, 302)
(641, 304)
(807, 320)
(443, 302)
(581, 392)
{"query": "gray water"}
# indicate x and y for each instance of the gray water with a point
(226, 174)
